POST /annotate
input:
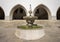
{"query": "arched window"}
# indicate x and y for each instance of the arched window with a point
(1, 14)
(58, 14)
(41, 12)
(18, 12)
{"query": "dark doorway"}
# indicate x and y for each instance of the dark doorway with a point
(1, 14)
(41, 13)
(19, 13)
(58, 14)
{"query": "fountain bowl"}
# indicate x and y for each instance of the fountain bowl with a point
(30, 19)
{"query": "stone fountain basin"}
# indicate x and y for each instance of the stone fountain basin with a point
(30, 19)
(30, 34)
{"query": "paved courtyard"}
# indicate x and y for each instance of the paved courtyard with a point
(52, 31)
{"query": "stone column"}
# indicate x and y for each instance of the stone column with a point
(53, 17)
(7, 18)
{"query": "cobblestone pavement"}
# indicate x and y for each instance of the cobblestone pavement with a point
(52, 33)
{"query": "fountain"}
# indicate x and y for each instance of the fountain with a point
(30, 19)
(30, 31)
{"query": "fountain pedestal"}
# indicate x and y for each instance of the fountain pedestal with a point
(30, 34)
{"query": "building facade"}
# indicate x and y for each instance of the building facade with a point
(16, 9)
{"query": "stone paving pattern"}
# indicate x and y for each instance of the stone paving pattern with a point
(52, 30)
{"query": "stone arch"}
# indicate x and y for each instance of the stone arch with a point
(2, 14)
(17, 12)
(58, 14)
(42, 12)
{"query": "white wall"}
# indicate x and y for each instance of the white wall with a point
(7, 5)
